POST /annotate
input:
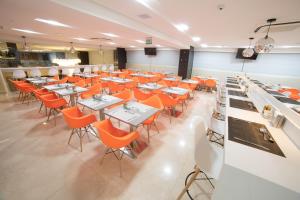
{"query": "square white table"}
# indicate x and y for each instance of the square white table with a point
(150, 86)
(58, 86)
(189, 81)
(175, 90)
(99, 103)
(40, 80)
(70, 92)
(116, 80)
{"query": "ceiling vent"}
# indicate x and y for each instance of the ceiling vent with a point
(144, 16)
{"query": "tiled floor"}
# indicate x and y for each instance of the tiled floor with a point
(37, 163)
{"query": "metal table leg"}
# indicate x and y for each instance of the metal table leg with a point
(72, 99)
(101, 114)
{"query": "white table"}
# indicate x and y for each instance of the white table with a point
(175, 90)
(143, 75)
(41, 80)
(189, 81)
(170, 79)
(99, 103)
(70, 92)
(116, 80)
(58, 86)
(150, 86)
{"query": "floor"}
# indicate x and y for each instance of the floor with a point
(37, 163)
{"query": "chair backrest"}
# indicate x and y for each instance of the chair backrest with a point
(139, 95)
(154, 101)
(207, 157)
(167, 100)
(53, 71)
(35, 72)
(95, 68)
(70, 114)
(210, 83)
(125, 95)
(19, 73)
(104, 68)
(80, 83)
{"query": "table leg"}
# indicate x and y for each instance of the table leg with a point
(72, 99)
(101, 114)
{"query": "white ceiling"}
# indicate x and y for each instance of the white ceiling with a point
(230, 27)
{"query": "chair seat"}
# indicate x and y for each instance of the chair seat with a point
(217, 126)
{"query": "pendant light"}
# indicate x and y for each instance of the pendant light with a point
(72, 49)
(265, 44)
(100, 50)
(26, 47)
(249, 51)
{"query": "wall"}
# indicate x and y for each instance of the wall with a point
(96, 58)
(273, 68)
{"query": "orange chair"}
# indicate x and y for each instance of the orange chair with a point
(182, 99)
(38, 93)
(155, 102)
(77, 121)
(143, 80)
(140, 96)
(169, 103)
(115, 140)
(26, 91)
(115, 88)
(64, 80)
(210, 84)
(126, 95)
(74, 79)
(80, 83)
(93, 90)
(54, 103)
(295, 97)
(131, 85)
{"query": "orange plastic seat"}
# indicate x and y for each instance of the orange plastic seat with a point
(54, 103)
(126, 95)
(210, 84)
(182, 99)
(93, 90)
(26, 91)
(74, 79)
(80, 83)
(64, 80)
(38, 93)
(77, 121)
(116, 140)
(115, 88)
(155, 102)
(169, 103)
(140, 96)
(295, 97)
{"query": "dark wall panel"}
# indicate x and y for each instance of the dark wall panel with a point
(84, 57)
(121, 58)
(185, 66)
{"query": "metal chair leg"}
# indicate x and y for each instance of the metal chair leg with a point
(80, 137)
(71, 136)
(41, 107)
(189, 183)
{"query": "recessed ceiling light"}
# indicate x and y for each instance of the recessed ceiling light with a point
(110, 34)
(218, 46)
(196, 39)
(140, 41)
(182, 27)
(26, 31)
(52, 22)
(112, 43)
(132, 46)
(80, 39)
(158, 45)
(287, 46)
(144, 2)
(204, 45)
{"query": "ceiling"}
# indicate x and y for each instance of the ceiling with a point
(135, 20)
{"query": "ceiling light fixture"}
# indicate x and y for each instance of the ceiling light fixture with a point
(110, 34)
(100, 50)
(265, 44)
(72, 49)
(204, 45)
(132, 46)
(196, 39)
(26, 47)
(249, 51)
(26, 31)
(158, 45)
(52, 22)
(80, 39)
(182, 27)
(112, 43)
(140, 41)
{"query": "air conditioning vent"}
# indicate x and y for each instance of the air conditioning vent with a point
(144, 16)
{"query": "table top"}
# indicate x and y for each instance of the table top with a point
(134, 114)
(70, 91)
(116, 79)
(40, 80)
(86, 75)
(143, 75)
(117, 72)
(150, 86)
(175, 90)
(99, 103)
(190, 81)
(170, 79)
(58, 86)
(280, 170)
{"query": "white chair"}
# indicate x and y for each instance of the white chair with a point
(35, 72)
(208, 157)
(111, 68)
(87, 69)
(95, 69)
(19, 74)
(65, 72)
(76, 70)
(53, 71)
(104, 68)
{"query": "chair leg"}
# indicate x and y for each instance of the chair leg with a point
(189, 183)
(155, 126)
(49, 114)
(71, 136)
(106, 152)
(80, 137)
(41, 107)
(120, 163)
(148, 127)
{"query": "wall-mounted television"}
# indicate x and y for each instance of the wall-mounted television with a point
(239, 55)
(150, 51)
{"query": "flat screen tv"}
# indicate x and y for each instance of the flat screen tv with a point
(150, 51)
(239, 55)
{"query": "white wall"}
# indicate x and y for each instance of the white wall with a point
(273, 68)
